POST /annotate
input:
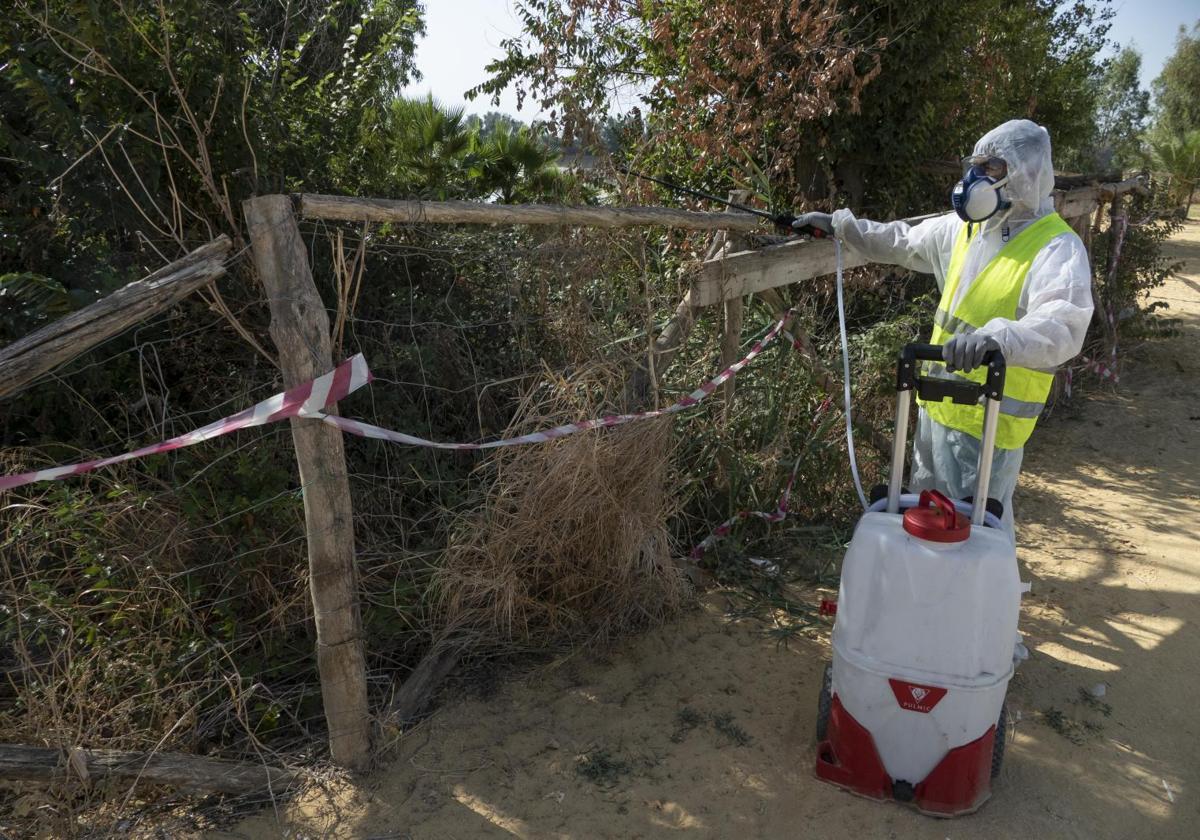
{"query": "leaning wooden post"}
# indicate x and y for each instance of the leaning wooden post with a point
(731, 338)
(1110, 270)
(300, 329)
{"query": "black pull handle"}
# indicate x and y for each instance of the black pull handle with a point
(933, 353)
(921, 352)
(959, 390)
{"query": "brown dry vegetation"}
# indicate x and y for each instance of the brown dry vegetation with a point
(571, 542)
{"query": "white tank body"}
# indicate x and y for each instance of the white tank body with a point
(915, 617)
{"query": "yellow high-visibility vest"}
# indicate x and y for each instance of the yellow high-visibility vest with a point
(994, 294)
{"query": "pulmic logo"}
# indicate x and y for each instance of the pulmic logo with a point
(916, 698)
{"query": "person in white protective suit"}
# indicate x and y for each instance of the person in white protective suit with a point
(1012, 276)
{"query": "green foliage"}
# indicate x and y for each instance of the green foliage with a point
(120, 617)
(29, 299)
(417, 147)
(876, 343)
(937, 87)
(602, 768)
(943, 84)
(1177, 88)
(1141, 267)
(1122, 107)
(1179, 156)
(129, 131)
(1122, 110)
(518, 166)
(562, 38)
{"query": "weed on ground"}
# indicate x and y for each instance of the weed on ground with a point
(725, 724)
(1093, 702)
(601, 768)
(1075, 731)
(686, 719)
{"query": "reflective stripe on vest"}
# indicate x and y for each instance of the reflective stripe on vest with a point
(995, 293)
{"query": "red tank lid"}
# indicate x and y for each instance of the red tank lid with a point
(936, 519)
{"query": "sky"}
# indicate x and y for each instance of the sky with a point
(462, 36)
(1148, 25)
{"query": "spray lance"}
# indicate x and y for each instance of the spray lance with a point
(782, 221)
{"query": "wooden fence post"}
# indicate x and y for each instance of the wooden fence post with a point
(731, 336)
(300, 329)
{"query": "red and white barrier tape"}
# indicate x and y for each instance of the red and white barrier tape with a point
(1107, 371)
(1104, 371)
(303, 400)
(778, 515)
(308, 399)
(357, 427)
(1122, 224)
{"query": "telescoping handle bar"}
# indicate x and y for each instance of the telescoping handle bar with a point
(958, 390)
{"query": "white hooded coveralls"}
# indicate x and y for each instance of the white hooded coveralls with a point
(1052, 315)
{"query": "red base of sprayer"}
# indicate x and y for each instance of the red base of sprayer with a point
(959, 784)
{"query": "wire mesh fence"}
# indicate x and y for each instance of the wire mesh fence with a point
(164, 604)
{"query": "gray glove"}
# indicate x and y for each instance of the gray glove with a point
(966, 352)
(821, 221)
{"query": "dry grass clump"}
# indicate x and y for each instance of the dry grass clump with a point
(572, 544)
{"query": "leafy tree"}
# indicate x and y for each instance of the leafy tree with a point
(428, 148)
(492, 121)
(1122, 107)
(1177, 88)
(1121, 112)
(128, 131)
(830, 101)
(942, 85)
(720, 75)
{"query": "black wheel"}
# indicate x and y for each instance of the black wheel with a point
(999, 739)
(825, 703)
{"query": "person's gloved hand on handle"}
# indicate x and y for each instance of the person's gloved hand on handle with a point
(821, 221)
(965, 352)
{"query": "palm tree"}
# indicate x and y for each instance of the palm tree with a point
(428, 148)
(1180, 156)
(420, 147)
(517, 164)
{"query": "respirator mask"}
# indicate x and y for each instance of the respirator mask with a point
(978, 197)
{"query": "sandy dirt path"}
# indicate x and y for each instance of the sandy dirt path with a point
(704, 728)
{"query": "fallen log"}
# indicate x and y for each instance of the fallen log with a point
(187, 772)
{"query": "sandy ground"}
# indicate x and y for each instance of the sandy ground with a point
(1109, 511)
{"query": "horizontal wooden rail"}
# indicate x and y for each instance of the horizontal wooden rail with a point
(349, 209)
(188, 772)
(41, 351)
(748, 272)
(1084, 201)
(1135, 184)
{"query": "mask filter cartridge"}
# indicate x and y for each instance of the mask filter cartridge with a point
(977, 197)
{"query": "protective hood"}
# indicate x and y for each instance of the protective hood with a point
(1025, 147)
